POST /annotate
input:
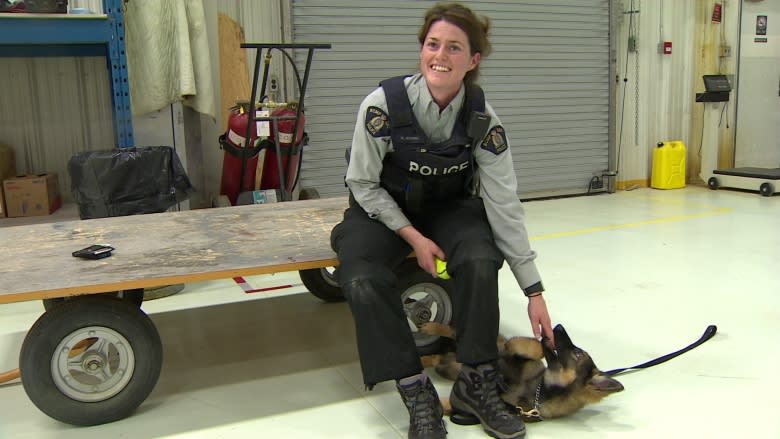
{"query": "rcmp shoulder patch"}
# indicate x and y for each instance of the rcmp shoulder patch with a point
(377, 122)
(495, 141)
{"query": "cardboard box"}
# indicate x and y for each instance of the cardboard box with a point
(32, 195)
(7, 162)
(260, 196)
(7, 170)
(2, 203)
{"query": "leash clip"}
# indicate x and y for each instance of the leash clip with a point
(532, 415)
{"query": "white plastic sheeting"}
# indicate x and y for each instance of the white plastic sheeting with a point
(168, 55)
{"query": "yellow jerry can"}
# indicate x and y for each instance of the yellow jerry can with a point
(669, 165)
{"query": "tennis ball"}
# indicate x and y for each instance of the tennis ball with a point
(441, 269)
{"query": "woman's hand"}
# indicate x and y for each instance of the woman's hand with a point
(540, 320)
(424, 249)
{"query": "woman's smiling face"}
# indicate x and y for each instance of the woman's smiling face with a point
(445, 58)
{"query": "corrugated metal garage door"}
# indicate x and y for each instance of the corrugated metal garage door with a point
(548, 79)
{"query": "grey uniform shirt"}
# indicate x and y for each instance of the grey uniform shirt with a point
(495, 171)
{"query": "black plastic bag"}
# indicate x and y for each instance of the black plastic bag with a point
(128, 181)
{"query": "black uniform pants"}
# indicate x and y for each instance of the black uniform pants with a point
(368, 252)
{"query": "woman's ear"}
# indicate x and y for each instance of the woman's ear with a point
(475, 60)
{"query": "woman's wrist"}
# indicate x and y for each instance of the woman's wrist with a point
(533, 290)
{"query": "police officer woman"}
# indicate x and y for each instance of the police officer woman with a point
(423, 179)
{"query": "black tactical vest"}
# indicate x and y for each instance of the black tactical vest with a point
(418, 173)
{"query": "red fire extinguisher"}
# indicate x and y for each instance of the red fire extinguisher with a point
(240, 156)
(290, 152)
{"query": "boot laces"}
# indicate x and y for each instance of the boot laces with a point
(425, 415)
(423, 410)
(490, 398)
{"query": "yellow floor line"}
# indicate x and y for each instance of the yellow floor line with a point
(668, 219)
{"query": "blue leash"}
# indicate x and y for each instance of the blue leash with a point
(708, 334)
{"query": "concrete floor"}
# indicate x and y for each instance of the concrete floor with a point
(632, 275)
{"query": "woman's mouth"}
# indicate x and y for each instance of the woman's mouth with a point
(440, 68)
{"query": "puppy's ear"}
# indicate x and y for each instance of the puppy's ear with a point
(606, 384)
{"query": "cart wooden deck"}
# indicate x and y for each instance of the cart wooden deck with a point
(166, 248)
(95, 358)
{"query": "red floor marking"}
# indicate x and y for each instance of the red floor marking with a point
(248, 288)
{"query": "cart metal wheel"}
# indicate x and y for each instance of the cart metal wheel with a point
(134, 296)
(425, 299)
(712, 183)
(91, 360)
(766, 189)
(321, 282)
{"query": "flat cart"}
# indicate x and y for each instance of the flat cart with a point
(95, 357)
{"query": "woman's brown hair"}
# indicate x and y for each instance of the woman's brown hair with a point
(475, 27)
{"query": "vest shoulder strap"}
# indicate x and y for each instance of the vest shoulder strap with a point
(473, 116)
(398, 104)
(402, 122)
(475, 99)
(404, 129)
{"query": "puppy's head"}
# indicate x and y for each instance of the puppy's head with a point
(572, 370)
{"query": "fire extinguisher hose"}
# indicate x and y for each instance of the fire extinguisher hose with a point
(304, 142)
(239, 152)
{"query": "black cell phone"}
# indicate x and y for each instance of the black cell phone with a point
(97, 251)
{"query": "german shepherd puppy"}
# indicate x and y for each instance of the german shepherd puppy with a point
(569, 381)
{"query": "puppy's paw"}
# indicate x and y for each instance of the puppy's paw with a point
(438, 329)
(525, 347)
(445, 404)
(431, 360)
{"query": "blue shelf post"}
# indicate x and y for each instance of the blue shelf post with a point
(23, 35)
(120, 88)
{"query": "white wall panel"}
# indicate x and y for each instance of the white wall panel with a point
(659, 100)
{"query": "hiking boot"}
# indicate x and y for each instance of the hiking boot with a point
(426, 415)
(475, 393)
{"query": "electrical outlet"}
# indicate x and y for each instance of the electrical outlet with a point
(725, 50)
(274, 84)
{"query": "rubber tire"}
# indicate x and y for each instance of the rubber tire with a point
(134, 296)
(413, 279)
(308, 194)
(712, 183)
(221, 201)
(766, 189)
(41, 342)
(322, 284)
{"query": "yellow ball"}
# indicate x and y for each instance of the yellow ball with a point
(441, 269)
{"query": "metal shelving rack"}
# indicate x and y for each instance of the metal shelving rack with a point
(24, 35)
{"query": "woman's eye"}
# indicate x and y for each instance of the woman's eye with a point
(454, 49)
(433, 45)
